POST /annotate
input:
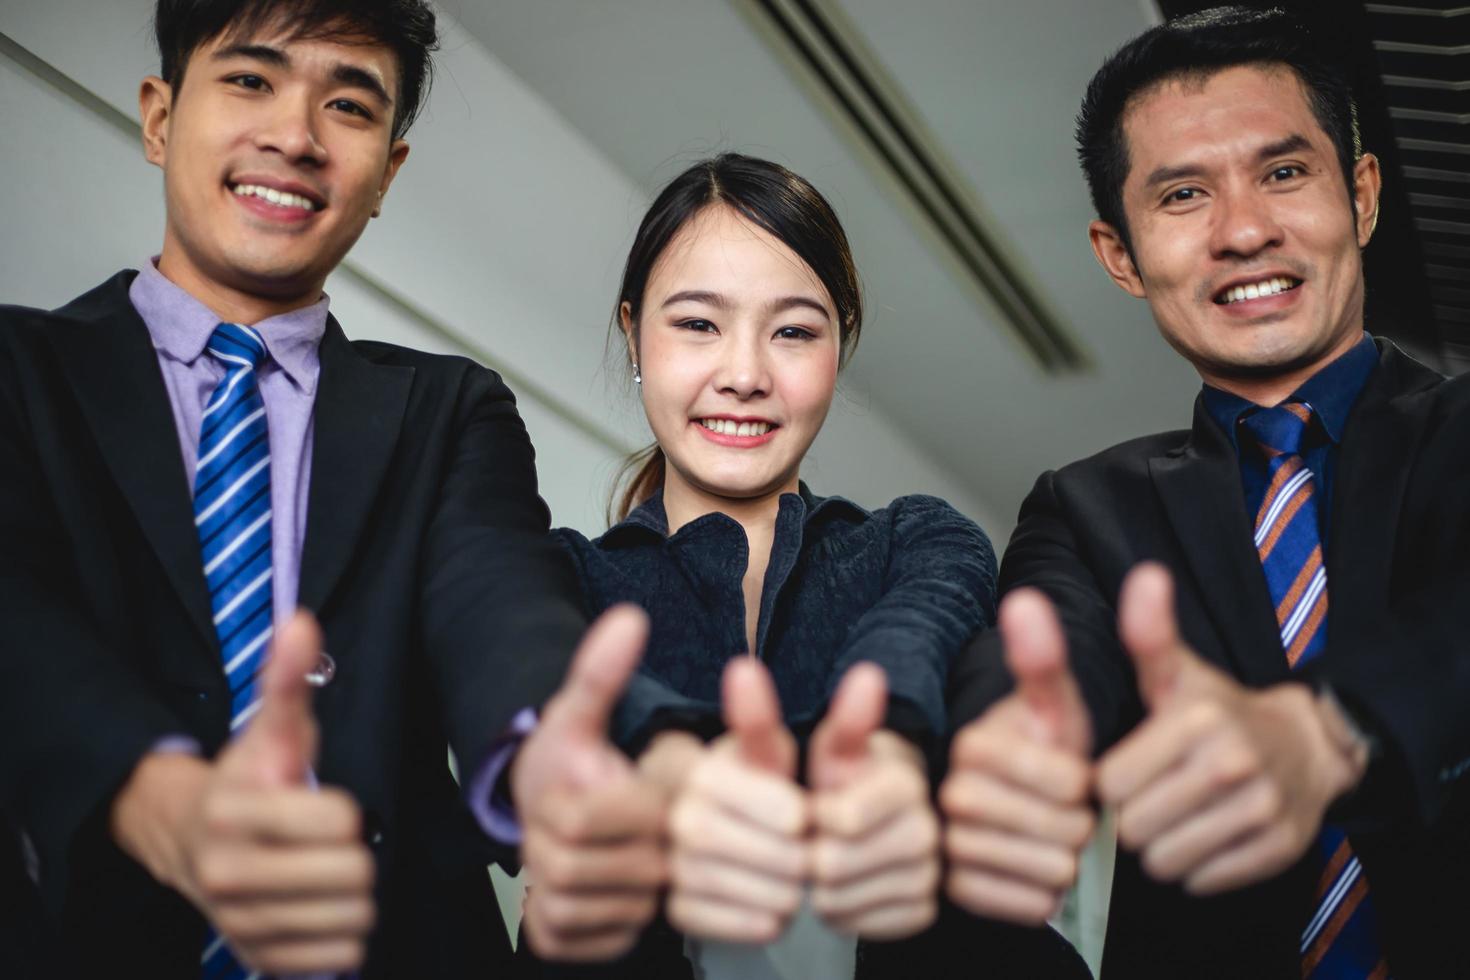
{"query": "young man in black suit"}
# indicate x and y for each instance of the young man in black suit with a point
(1288, 774)
(196, 449)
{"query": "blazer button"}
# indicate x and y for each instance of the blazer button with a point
(322, 673)
(372, 828)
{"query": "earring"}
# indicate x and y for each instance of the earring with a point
(637, 378)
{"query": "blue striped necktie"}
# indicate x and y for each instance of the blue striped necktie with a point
(1340, 939)
(232, 513)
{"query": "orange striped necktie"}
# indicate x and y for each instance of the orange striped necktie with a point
(1340, 939)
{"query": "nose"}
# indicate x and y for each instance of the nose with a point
(744, 371)
(291, 130)
(1245, 224)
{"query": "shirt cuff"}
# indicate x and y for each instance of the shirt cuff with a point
(179, 744)
(488, 794)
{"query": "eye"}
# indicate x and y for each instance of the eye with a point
(253, 82)
(795, 333)
(1182, 195)
(350, 107)
(1282, 174)
(695, 323)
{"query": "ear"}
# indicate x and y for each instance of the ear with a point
(1367, 181)
(1112, 255)
(155, 104)
(397, 153)
(630, 333)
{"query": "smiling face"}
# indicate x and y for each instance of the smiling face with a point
(737, 344)
(275, 153)
(1245, 243)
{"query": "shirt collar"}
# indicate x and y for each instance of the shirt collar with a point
(650, 517)
(1331, 392)
(181, 326)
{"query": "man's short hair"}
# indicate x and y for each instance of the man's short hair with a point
(1197, 46)
(405, 27)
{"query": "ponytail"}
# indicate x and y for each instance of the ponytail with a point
(647, 466)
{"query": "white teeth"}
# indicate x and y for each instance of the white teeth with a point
(283, 199)
(729, 427)
(1266, 287)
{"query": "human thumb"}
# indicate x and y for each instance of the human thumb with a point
(753, 714)
(839, 744)
(600, 670)
(1149, 629)
(1036, 654)
(278, 744)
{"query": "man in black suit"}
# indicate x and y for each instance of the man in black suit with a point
(172, 801)
(1243, 723)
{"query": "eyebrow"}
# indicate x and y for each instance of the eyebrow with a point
(342, 72)
(720, 301)
(1294, 143)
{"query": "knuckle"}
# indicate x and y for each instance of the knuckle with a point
(216, 874)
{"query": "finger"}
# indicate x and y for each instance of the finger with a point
(582, 947)
(290, 816)
(700, 829)
(888, 922)
(238, 872)
(839, 745)
(757, 796)
(1208, 774)
(629, 809)
(1245, 811)
(1044, 865)
(705, 918)
(600, 669)
(753, 713)
(998, 897)
(601, 867)
(863, 806)
(913, 883)
(722, 881)
(981, 801)
(290, 918)
(1258, 857)
(1036, 654)
(1161, 743)
(1150, 632)
(911, 838)
(570, 914)
(1056, 774)
(332, 955)
(279, 743)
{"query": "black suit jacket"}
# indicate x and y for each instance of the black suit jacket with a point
(1398, 653)
(425, 557)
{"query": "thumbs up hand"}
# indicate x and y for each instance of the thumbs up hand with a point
(277, 867)
(875, 855)
(593, 829)
(1220, 785)
(1016, 799)
(738, 821)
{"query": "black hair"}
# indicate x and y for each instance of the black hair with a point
(1197, 46)
(770, 197)
(405, 27)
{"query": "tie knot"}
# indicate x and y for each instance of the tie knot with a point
(1280, 430)
(236, 344)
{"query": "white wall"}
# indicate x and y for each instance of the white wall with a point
(504, 235)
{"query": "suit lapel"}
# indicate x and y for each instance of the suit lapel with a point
(1380, 442)
(106, 353)
(1199, 484)
(358, 414)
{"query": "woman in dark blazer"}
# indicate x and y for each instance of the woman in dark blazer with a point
(790, 700)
